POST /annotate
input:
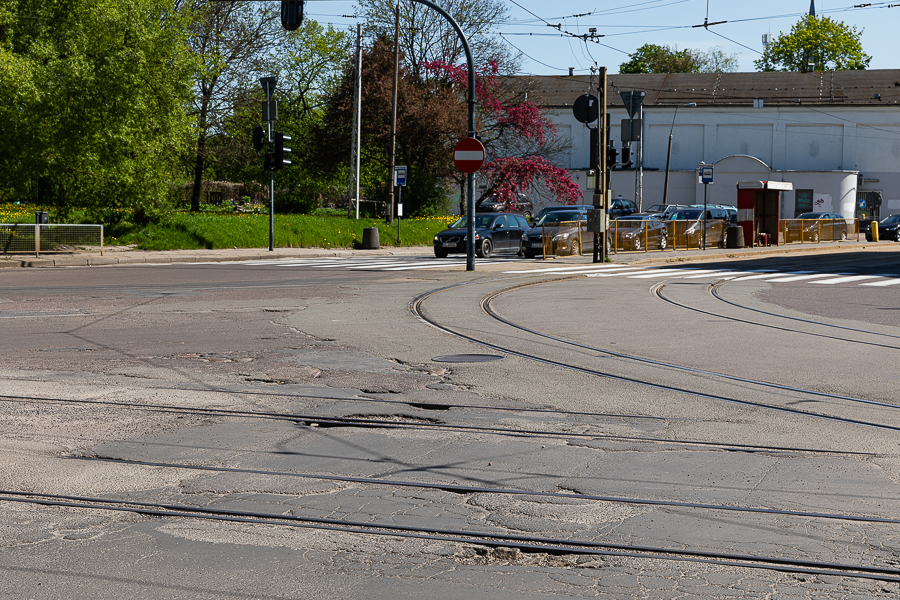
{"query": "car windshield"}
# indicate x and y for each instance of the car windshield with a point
(686, 215)
(657, 208)
(559, 217)
(812, 216)
(481, 222)
(893, 219)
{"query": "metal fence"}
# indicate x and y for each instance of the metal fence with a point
(26, 238)
(564, 237)
(816, 230)
(645, 235)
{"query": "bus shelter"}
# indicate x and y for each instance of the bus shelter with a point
(759, 210)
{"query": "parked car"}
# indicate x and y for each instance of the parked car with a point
(690, 234)
(524, 206)
(729, 210)
(620, 207)
(493, 233)
(888, 228)
(663, 211)
(639, 231)
(562, 229)
(829, 226)
(557, 207)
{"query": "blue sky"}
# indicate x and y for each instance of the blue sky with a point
(626, 25)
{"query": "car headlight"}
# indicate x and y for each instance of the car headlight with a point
(437, 239)
(560, 236)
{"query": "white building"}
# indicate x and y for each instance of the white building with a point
(834, 135)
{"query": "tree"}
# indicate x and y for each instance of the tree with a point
(819, 41)
(232, 40)
(430, 118)
(95, 100)
(651, 58)
(520, 141)
(427, 37)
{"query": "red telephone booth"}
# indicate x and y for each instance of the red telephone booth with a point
(759, 210)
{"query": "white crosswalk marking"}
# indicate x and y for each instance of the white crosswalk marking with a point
(845, 279)
(883, 283)
(601, 270)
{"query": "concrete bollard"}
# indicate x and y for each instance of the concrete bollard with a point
(370, 239)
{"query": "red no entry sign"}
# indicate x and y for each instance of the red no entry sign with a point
(468, 155)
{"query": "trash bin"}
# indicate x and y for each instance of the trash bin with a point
(370, 238)
(41, 217)
(734, 236)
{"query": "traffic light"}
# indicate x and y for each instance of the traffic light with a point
(279, 159)
(269, 161)
(611, 155)
(626, 157)
(291, 14)
(259, 138)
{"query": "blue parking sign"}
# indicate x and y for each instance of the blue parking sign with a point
(400, 175)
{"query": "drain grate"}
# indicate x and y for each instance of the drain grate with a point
(467, 358)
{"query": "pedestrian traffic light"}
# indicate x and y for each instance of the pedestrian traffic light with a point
(279, 160)
(291, 14)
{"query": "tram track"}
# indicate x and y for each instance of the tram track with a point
(416, 306)
(530, 544)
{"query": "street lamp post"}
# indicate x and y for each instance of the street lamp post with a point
(669, 154)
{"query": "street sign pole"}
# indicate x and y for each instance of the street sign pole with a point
(468, 155)
(399, 181)
(706, 177)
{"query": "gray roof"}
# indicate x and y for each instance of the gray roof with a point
(778, 88)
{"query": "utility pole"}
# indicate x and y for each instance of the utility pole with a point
(601, 197)
(392, 159)
(357, 123)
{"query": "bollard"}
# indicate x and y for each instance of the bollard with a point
(370, 239)
(874, 227)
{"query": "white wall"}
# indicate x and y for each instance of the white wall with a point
(800, 139)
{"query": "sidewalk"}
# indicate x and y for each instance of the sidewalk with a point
(116, 255)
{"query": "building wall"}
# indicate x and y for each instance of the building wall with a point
(802, 139)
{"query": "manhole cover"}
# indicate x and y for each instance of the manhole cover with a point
(467, 358)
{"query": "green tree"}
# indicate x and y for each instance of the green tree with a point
(651, 58)
(819, 41)
(95, 100)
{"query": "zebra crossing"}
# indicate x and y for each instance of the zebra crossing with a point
(415, 263)
(374, 263)
(766, 275)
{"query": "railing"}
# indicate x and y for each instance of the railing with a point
(554, 242)
(647, 235)
(812, 231)
(27, 238)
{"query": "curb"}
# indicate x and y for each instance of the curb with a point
(138, 257)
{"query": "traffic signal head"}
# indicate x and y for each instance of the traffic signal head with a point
(626, 157)
(280, 150)
(291, 14)
(611, 155)
(259, 138)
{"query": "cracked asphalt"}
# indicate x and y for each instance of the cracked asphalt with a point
(115, 383)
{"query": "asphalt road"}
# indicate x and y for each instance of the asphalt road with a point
(717, 429)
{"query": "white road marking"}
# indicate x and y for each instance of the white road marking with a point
(846, 279)
(782, 279)
(883, 283)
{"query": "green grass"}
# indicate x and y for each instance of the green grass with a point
(218, 228)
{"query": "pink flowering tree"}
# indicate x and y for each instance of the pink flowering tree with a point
(521, 142)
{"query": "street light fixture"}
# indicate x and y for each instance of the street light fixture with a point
(669, 155)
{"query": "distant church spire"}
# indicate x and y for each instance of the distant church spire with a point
(812, 8)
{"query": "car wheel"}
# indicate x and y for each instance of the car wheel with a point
(663, 242)
(815, 237)
(637, 243)
(440, 253)
(843, 236)
(484, 248)
(897, 236)
(576, 248)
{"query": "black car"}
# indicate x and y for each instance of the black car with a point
(561, 230)
(888, 228)
(620, 207)
(493, 233)
(523, 206)
(558, 207)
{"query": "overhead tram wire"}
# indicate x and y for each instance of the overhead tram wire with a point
(503, 37)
